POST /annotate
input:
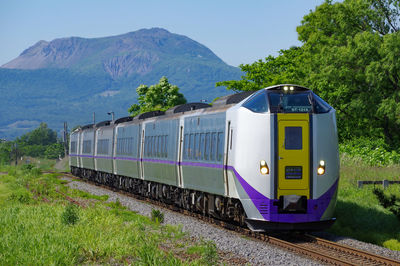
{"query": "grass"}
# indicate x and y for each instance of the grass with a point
(358, 212)
(38, 226)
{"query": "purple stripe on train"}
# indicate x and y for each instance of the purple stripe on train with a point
(266, 207)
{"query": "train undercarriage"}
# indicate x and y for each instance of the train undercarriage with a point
(207, 204)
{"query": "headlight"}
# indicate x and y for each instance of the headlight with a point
(321, 168)
(264, 167)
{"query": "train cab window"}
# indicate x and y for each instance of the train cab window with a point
(320, 105)
(303, 102)
(290, 103)
(293, 138)
(258, 103)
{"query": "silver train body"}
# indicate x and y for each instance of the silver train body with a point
(268, 159)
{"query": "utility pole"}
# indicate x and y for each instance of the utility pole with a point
(16, 153)
(94, 118)
(65, 139)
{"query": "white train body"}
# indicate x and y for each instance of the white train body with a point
(269, 159)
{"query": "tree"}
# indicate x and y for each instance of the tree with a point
(349, 57)
(274, 70)
(161, 96)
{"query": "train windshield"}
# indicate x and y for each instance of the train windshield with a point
(304, 102)
(281, 102)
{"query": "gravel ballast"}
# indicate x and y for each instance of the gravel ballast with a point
(253, 251)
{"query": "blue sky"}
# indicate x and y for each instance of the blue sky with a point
(236, 31)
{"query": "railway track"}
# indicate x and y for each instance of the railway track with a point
(314, 247)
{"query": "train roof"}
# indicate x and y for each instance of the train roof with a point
(87, 126)
(124, 119)
(187, 107)
(103, 123)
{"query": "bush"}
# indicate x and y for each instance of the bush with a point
(70, 215)
(374, 152)
(157, 216)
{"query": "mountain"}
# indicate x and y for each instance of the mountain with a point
(68, 79)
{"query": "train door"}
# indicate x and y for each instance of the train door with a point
(180, 152)
(228, 141)
(142, 138)
(293, 155)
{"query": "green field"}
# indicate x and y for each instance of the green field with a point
(358, 212)
(39, 226)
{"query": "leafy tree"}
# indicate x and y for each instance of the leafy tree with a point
(349, 56)
(274, 70)
(41, 142)
(160, 96)
(40, 136)
(5, 151)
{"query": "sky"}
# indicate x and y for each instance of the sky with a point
(237, 31)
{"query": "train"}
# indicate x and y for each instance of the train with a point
(264, 159)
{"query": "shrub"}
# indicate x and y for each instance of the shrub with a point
(70, 215)
(371, 151)
(157, 216)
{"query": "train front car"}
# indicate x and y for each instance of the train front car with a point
(286, 159)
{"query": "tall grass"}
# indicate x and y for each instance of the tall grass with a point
(38, 226)
(359, 214)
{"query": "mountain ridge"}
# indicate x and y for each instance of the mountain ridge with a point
(67, 79)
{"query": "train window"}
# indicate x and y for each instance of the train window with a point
(159, 146)
(87, 146)
(320, 105)
(290, 103)
(191, 146)
(102, 146)
(150, 145)
(154, 147)
(207, 146)
(213, 146)
(202, 146)
(186, 146)
(258, 103)
(220, 146)
(166, 146)
(73, 147)
(293, 138)
(197, 146)
(147, 146)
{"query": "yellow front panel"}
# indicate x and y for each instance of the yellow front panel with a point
(293, 155)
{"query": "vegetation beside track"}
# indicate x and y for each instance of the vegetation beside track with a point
(358, 212)
(39, 225)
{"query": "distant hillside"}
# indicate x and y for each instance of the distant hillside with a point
(70, 78)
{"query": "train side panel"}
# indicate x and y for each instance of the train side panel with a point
(127, 150)
(203, 153)
(252, 142)
(73, 149)
(87, 149)
(104, 149)
(160, 151)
